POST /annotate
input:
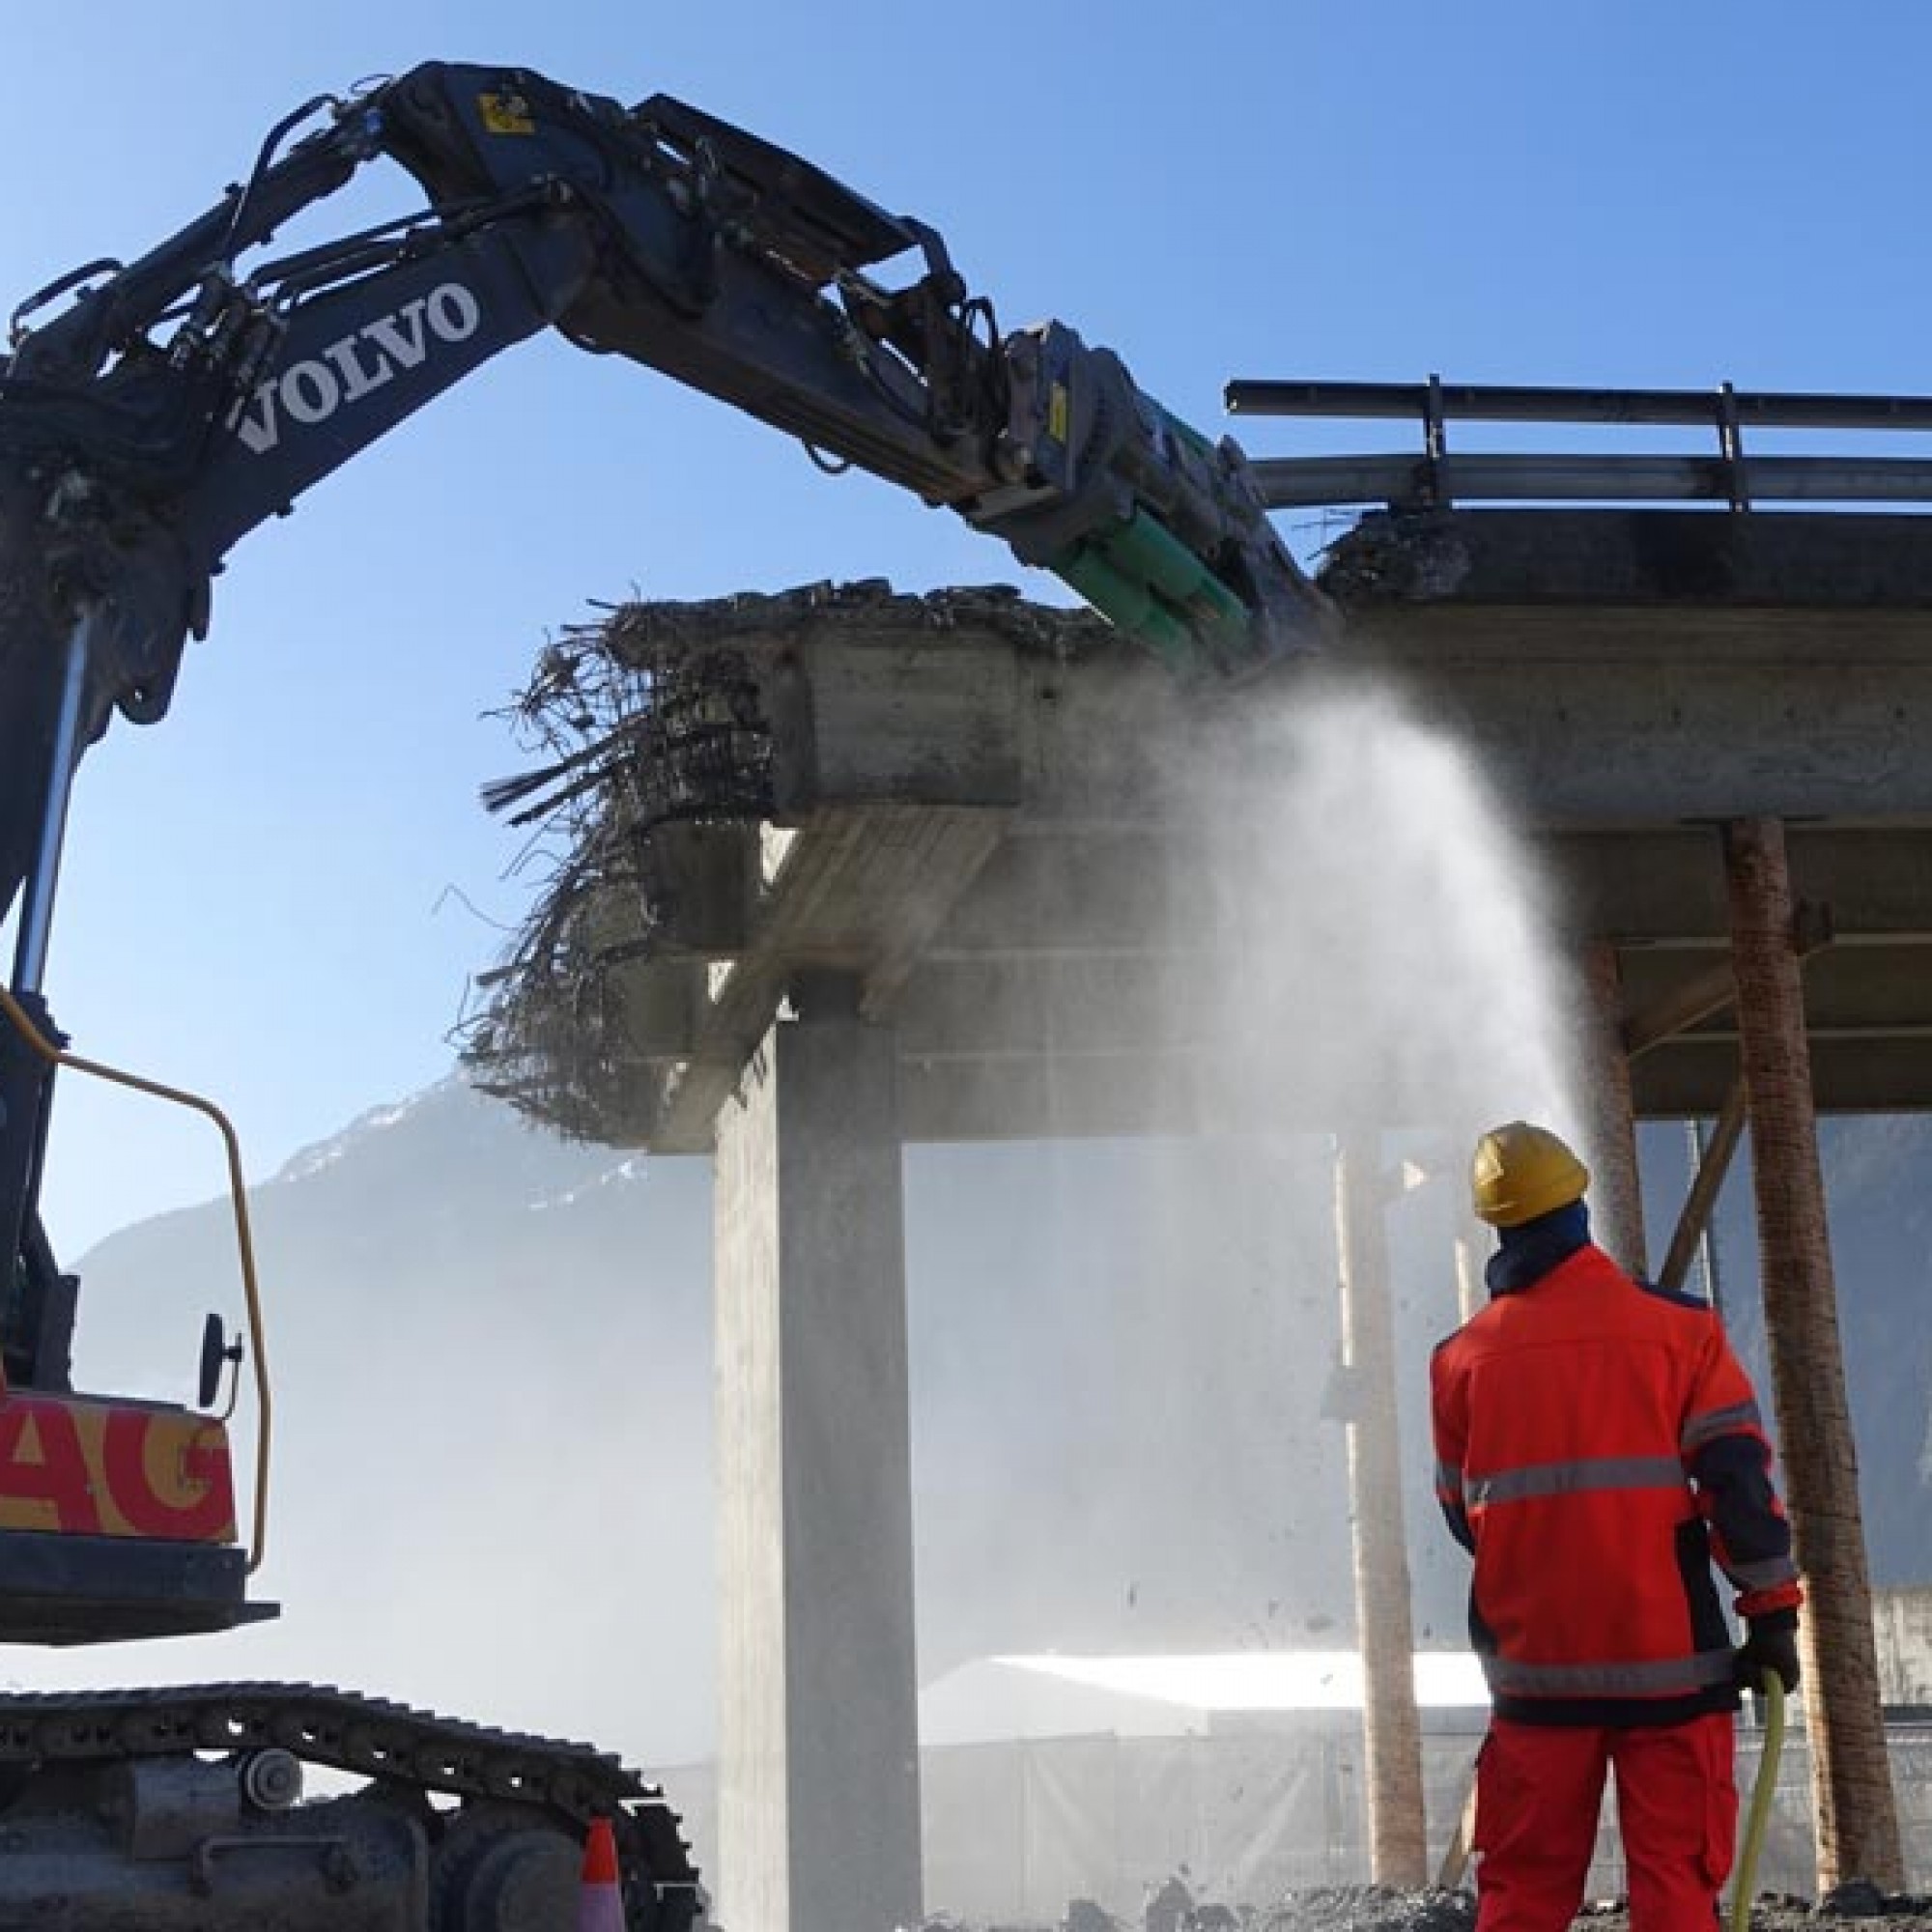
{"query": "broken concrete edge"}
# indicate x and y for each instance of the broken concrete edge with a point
(641, 633)
(676, 735)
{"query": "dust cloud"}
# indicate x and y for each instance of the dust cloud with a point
(1125, 1350)
(1388, 937)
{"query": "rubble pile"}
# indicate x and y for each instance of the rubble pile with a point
(653, 719)
(1373, 1907)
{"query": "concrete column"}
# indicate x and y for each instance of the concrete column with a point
(1391, 1727)
(1850, 1780)
(819, 1733)
(1609, 1131)
(1471, 1258)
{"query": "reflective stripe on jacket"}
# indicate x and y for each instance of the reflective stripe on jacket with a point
(1597, 1445)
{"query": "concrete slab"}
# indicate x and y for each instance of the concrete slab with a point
(979, 808)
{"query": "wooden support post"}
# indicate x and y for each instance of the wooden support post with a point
(1461, 1845)
(1711, 1167)
(1851, 1778)
(1616, 1204)
(1391, 1725)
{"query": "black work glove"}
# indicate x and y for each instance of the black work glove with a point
(1768, 1650)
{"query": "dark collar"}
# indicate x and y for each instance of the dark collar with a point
(1528, 1252)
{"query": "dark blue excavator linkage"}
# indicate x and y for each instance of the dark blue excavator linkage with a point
(151, 414)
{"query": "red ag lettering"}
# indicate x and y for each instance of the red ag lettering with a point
(41, 1462)
(204, 1508)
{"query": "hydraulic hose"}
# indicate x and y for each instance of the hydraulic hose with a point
(1764, 1788)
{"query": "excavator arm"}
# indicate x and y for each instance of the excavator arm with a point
(177, 401)
(153, 413)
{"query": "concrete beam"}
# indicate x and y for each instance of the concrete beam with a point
(1862, 572)
(1094, 889)
(1865, 990)
(852, 893)
(704, 887)
(1638, 665)
(1091, 892)
(1664, 885)
(1034, 1096)
(1601, 742)
(1582, 712)
(995, 791)
(662, 1001)
(995, 1008)
(899, 716)
(1688, 1080)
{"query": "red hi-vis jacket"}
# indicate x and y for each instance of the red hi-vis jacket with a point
(1597, 1445)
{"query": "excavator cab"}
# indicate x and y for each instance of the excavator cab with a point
(116, 1520)
(154, 411)
(117, 1514)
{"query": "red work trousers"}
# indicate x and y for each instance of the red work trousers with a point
(1539, 1790)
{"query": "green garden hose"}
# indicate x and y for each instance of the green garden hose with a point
(1764, 1788)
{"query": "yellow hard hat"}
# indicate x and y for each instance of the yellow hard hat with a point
(1522, 1170)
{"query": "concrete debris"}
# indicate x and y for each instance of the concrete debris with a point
(1405, 558)
(651, 732)
(1856, 1898)
(644, 633)
(1371, 1908)
(1172, 1908)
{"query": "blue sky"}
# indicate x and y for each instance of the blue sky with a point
(278, 893)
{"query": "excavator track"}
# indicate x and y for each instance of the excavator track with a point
(391, 1744)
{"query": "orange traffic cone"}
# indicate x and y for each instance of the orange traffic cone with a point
(600, 1894)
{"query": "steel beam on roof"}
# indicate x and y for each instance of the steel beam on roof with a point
(1310, 482)
(1712, 989)
(1660, 886)
(1689, 1078)
(1519, 401)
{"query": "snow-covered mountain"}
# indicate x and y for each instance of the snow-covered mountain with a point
(489, 1487)
(492, 1355)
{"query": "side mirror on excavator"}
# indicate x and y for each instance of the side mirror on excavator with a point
(216, 1350)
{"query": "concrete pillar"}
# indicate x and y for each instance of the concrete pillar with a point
(1850, 1780)
(818, 1730)
(1609, 1131)
(1391, 1727)
(1471, 1258)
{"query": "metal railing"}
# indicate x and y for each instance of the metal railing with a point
(1438, 478)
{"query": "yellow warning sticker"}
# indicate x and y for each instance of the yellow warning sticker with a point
(1056, 413)
(506, 114)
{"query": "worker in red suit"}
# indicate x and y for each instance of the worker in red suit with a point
(1596, 1445)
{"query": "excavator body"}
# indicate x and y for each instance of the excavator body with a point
(154, 411)
(117, 1520)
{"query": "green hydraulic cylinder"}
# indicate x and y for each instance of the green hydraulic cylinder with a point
(1141, 576)
(1131, 605)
